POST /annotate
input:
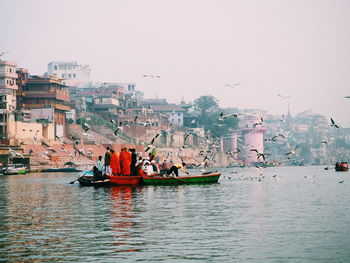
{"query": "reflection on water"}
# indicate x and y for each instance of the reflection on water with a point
(300, 215)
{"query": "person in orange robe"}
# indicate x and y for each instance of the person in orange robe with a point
(125, 161)
(115, 163)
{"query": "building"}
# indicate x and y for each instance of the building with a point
(50, 93)
(253, 135)
(71, 72)
(174, 112)
(8, 89)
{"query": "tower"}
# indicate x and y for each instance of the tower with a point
(253, 135)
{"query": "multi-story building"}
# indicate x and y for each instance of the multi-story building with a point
(47, 92)
(71, 72)
(8, 89)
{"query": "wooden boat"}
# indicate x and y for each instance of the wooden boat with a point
(211, 177)
(342, 167)
(14, 169)
(86, 179)
(125, 180)
(62, 170)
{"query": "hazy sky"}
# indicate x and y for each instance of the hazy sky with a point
(297, 47)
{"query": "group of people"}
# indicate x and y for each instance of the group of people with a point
(123, 163)
(126, 163)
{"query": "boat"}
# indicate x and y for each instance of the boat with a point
(209, 177)
(62, 170)
(16, 168)
(125, 180)
(342, 167)
(87, 179)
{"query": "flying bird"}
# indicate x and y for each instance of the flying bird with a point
(284, 97)
(347, 97)
(154, 138)
(3, 53)
(292, 152)
(234, 84)
(86, 127)
(333, 124)
(258, 155)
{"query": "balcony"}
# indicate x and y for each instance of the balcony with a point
(59, 95)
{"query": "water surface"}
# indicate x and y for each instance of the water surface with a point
(291, 214)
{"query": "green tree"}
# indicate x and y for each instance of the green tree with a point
(204, 105)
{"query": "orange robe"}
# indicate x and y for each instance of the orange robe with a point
(125, 162)
(115, 163)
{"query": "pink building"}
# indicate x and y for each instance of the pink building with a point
(253, 135)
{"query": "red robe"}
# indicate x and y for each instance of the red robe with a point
(115, 164)
(125, 162)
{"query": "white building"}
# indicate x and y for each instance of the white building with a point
(70, 71)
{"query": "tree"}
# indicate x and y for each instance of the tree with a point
(209, 113)
(203, 105)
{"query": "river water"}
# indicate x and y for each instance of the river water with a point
(287, 214)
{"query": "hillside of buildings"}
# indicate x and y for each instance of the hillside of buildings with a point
(61, 117)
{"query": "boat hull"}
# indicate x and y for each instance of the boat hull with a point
(342, 169)
(22, 171)
(62, 170)
(89, 181)
(125, 180)
(198, 179)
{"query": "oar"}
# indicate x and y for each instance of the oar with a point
(72, 182)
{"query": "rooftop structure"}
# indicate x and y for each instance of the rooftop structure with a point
(72, 72)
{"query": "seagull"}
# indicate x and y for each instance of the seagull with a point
(154, 138)
(149, 147)
(292, 152)
(259, 123)
(284, 97)
(340, 182)
(325, 142)
(193, 121)
(234, 84)
(136, 117)
(86, 127)
(347, 97)
(3, 53)
(333, 124)
(260, 154)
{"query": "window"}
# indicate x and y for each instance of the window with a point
(69, 75)
(74, 75)
(179, 120)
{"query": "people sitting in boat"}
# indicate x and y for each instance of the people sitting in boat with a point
(96, 173)
(337, 165)
(176, 167)
(148, 168)
(99, 165)
(155, 167)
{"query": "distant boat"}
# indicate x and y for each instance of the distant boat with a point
(14, 169)
(62, 170)
(210, 177)
(342, 167)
